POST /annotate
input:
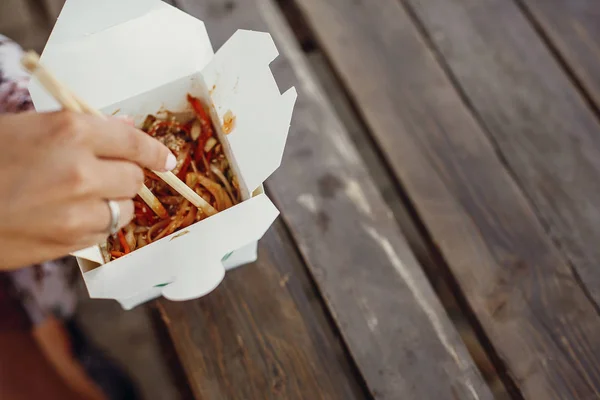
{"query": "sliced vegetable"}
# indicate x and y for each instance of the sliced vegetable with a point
(205, 123)
(123, 241)
(210, 143)
(196, 130)
(224, 181)
(183, 162)
(130, 237)
(141, 240)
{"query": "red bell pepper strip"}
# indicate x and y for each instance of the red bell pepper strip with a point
(205, 123)
(185, 166)
(123, 242)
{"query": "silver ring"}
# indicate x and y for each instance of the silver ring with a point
(115, 216)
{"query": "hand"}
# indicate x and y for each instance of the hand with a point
(56, 172)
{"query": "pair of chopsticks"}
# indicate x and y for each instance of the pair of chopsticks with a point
(70, 102)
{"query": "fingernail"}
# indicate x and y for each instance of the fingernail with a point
(171, 162)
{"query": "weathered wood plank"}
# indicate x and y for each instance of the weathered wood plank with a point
(262, 334)
(432, 264)
(24, 22)
(528, 300)
(52, 9)
(547, 133)
(541, 124)
(394, 326)
(573, 27)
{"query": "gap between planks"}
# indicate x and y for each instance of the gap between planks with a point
(248, 20)
(561, 281)
(586, 95)
(261, 334)
(565, 220)
(389, 250)
(419, 239)
(420, 242)
(581, 77)
(566, 41)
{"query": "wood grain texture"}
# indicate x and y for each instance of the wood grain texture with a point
(429, 259)
(544, 129)
(394, 326)
(24, 22)
(261, 334)
(573, 27)
(529, 302)
(52, 7)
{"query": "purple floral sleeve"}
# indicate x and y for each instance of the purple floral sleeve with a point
(14, 96)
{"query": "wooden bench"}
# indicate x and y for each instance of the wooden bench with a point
(441, 186)
(440, 199)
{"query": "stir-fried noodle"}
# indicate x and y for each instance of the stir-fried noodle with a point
(201, 164)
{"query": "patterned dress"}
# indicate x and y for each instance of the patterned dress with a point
(47, 288)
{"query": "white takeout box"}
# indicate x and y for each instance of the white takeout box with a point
(137, 57)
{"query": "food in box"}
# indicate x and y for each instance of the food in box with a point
(106, 52)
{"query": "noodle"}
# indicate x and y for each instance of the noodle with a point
(201, 163)
(156, 227)
(223, 180)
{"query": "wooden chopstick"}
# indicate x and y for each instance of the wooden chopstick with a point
(71, 102)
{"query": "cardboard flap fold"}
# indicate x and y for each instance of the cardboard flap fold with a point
(106, 57)
(93, 254)
(249, 104)
(85, 17)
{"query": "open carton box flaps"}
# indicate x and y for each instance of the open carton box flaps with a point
(140, 57)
